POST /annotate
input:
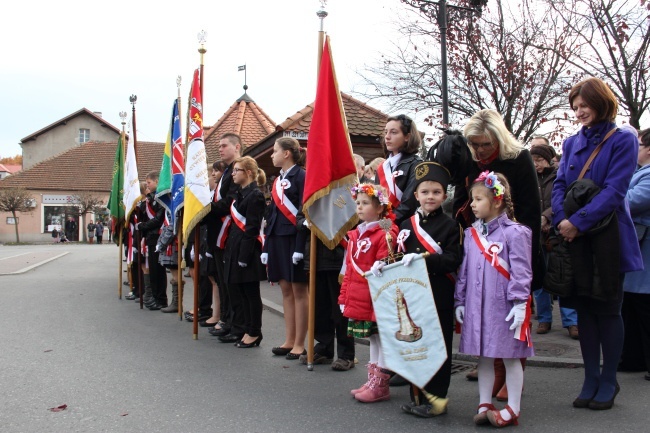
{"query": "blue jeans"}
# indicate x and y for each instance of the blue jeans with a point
(544, 310)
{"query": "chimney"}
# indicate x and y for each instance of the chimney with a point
(97, 113)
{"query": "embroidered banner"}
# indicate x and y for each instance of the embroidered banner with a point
(409, 328)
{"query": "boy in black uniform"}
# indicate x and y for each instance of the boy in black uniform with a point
(433, 231)
(150, 229)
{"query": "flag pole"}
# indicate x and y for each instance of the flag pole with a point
(133, 99)
(202, 50)
(119, 260)
(322, 13)
(179, 224)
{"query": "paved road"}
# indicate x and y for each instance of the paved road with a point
(67, 339)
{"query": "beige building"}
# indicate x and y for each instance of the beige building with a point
(72, 131)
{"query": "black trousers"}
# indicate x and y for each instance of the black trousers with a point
(157, 276)
(636, 318)
(251, 305)
(227, 313)
(439, 383)
(329, 322)
(205, 296)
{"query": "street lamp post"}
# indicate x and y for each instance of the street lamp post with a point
(442, 26)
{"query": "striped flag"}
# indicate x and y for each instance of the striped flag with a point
(197, 188)
(328, 204)
(115, 203)
(171, 182)
(131, 182)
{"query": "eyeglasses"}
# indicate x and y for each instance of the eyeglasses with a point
(476, 146)
(236, 170)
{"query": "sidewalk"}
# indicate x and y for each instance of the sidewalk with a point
(554, 349)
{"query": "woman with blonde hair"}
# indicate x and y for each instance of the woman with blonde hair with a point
(493, 148)
(243, 269)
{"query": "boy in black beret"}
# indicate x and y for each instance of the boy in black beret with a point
(429, 229)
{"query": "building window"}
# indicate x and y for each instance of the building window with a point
(84, 135)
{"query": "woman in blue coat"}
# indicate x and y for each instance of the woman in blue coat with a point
(600, 322)
(636, 304)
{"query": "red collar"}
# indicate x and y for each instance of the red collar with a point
(483, 163)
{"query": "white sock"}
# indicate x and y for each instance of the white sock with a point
(515, 384)
(374, 348)
(485, 380)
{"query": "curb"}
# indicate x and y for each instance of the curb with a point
(535, 361)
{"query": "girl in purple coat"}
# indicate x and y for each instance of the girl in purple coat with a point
(492, 296)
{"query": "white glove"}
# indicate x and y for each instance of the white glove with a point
(306, 224)
(342, 307)
(460, 314)
(157, 248)
(408, 258)
(192, 254)
(200, 257)
(296, 258)
(264, 258)
(242, 264)
(519, 314)
(377, 267)
(208, 255)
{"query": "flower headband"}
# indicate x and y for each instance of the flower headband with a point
(491, 181)
(371, 191)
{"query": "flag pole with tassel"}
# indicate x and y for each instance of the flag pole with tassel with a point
(133, 99)
(322, 13)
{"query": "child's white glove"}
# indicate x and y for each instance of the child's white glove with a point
(264, 257)
(296, 258)
(460, 314)
(408, 258)
(242, 264)
(377, 267)
(342, 307)
(519, 314)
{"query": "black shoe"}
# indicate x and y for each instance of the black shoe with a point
(604, 405)
(255, 343)
(229, 338)
(408, 407)
(281, 351)
(205, 324)
(293, 356)
(219, 332)
(157, 306)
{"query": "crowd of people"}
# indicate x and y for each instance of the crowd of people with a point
(488, 252)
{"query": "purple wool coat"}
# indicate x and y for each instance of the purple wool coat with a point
(488, 296)
(612, 170)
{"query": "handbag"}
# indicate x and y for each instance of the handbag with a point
(558, 279)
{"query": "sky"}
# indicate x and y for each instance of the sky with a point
(73, 54)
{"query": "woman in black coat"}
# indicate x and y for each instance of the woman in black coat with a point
(243, 269)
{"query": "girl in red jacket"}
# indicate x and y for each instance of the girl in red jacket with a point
(367, 245)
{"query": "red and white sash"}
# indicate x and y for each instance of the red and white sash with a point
(223, 232)
(286, 207)
(361, 246)
(491, 251)
(150, 212)
(387, 180)
(217, 191)
(240, 221)
(425, 240)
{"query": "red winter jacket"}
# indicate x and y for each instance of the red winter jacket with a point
(363, 251)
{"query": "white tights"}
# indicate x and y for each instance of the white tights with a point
(514, 382)
(376, 354)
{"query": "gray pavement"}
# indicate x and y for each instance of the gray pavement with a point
(67, 339)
